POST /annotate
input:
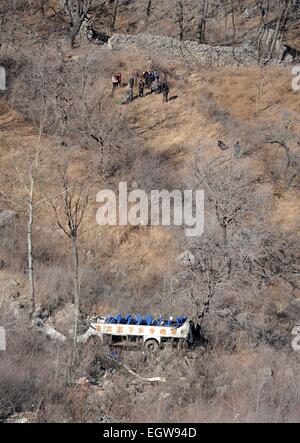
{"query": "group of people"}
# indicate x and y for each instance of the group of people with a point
(152, 80)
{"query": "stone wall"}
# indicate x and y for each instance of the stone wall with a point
(187, 52)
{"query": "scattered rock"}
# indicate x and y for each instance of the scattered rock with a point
(83, 381)
(37, 312)
(186, 259)
(48, 330)
(23, 417)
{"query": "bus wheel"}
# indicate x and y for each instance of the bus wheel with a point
(151, 346)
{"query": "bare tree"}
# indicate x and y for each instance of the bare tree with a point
(230, 200)
(260, 84)
(70, 210)
(285, 7)
(76, 12)
(29, 178)
(289, 141)
(226, 190)
(97, 126)
(275, 259)
(86, 118)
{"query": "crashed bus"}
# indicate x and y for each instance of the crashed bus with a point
(142, 332)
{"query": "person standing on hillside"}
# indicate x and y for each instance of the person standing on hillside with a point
(164, 77)
(131, 82)
(156, 75)
(237, 149)
(151, 75)
(147, 80)
(131, 85)
(119, 77)
(141, 88)
(115, 82)
(136, 76)
(150, 80)
(165, 90)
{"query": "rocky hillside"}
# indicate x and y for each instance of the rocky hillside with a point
(62, 129)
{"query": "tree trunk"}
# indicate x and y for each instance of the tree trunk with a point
(181, 20)
(148, 9)
(233, 20)
(76, 293)
(202, 23)
(115, 15)
(275, 37)
(283, 17)
(226, 25)
(74, 30)
(42, 6)
(30, 258)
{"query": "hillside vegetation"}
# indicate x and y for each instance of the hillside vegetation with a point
(63, 132)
